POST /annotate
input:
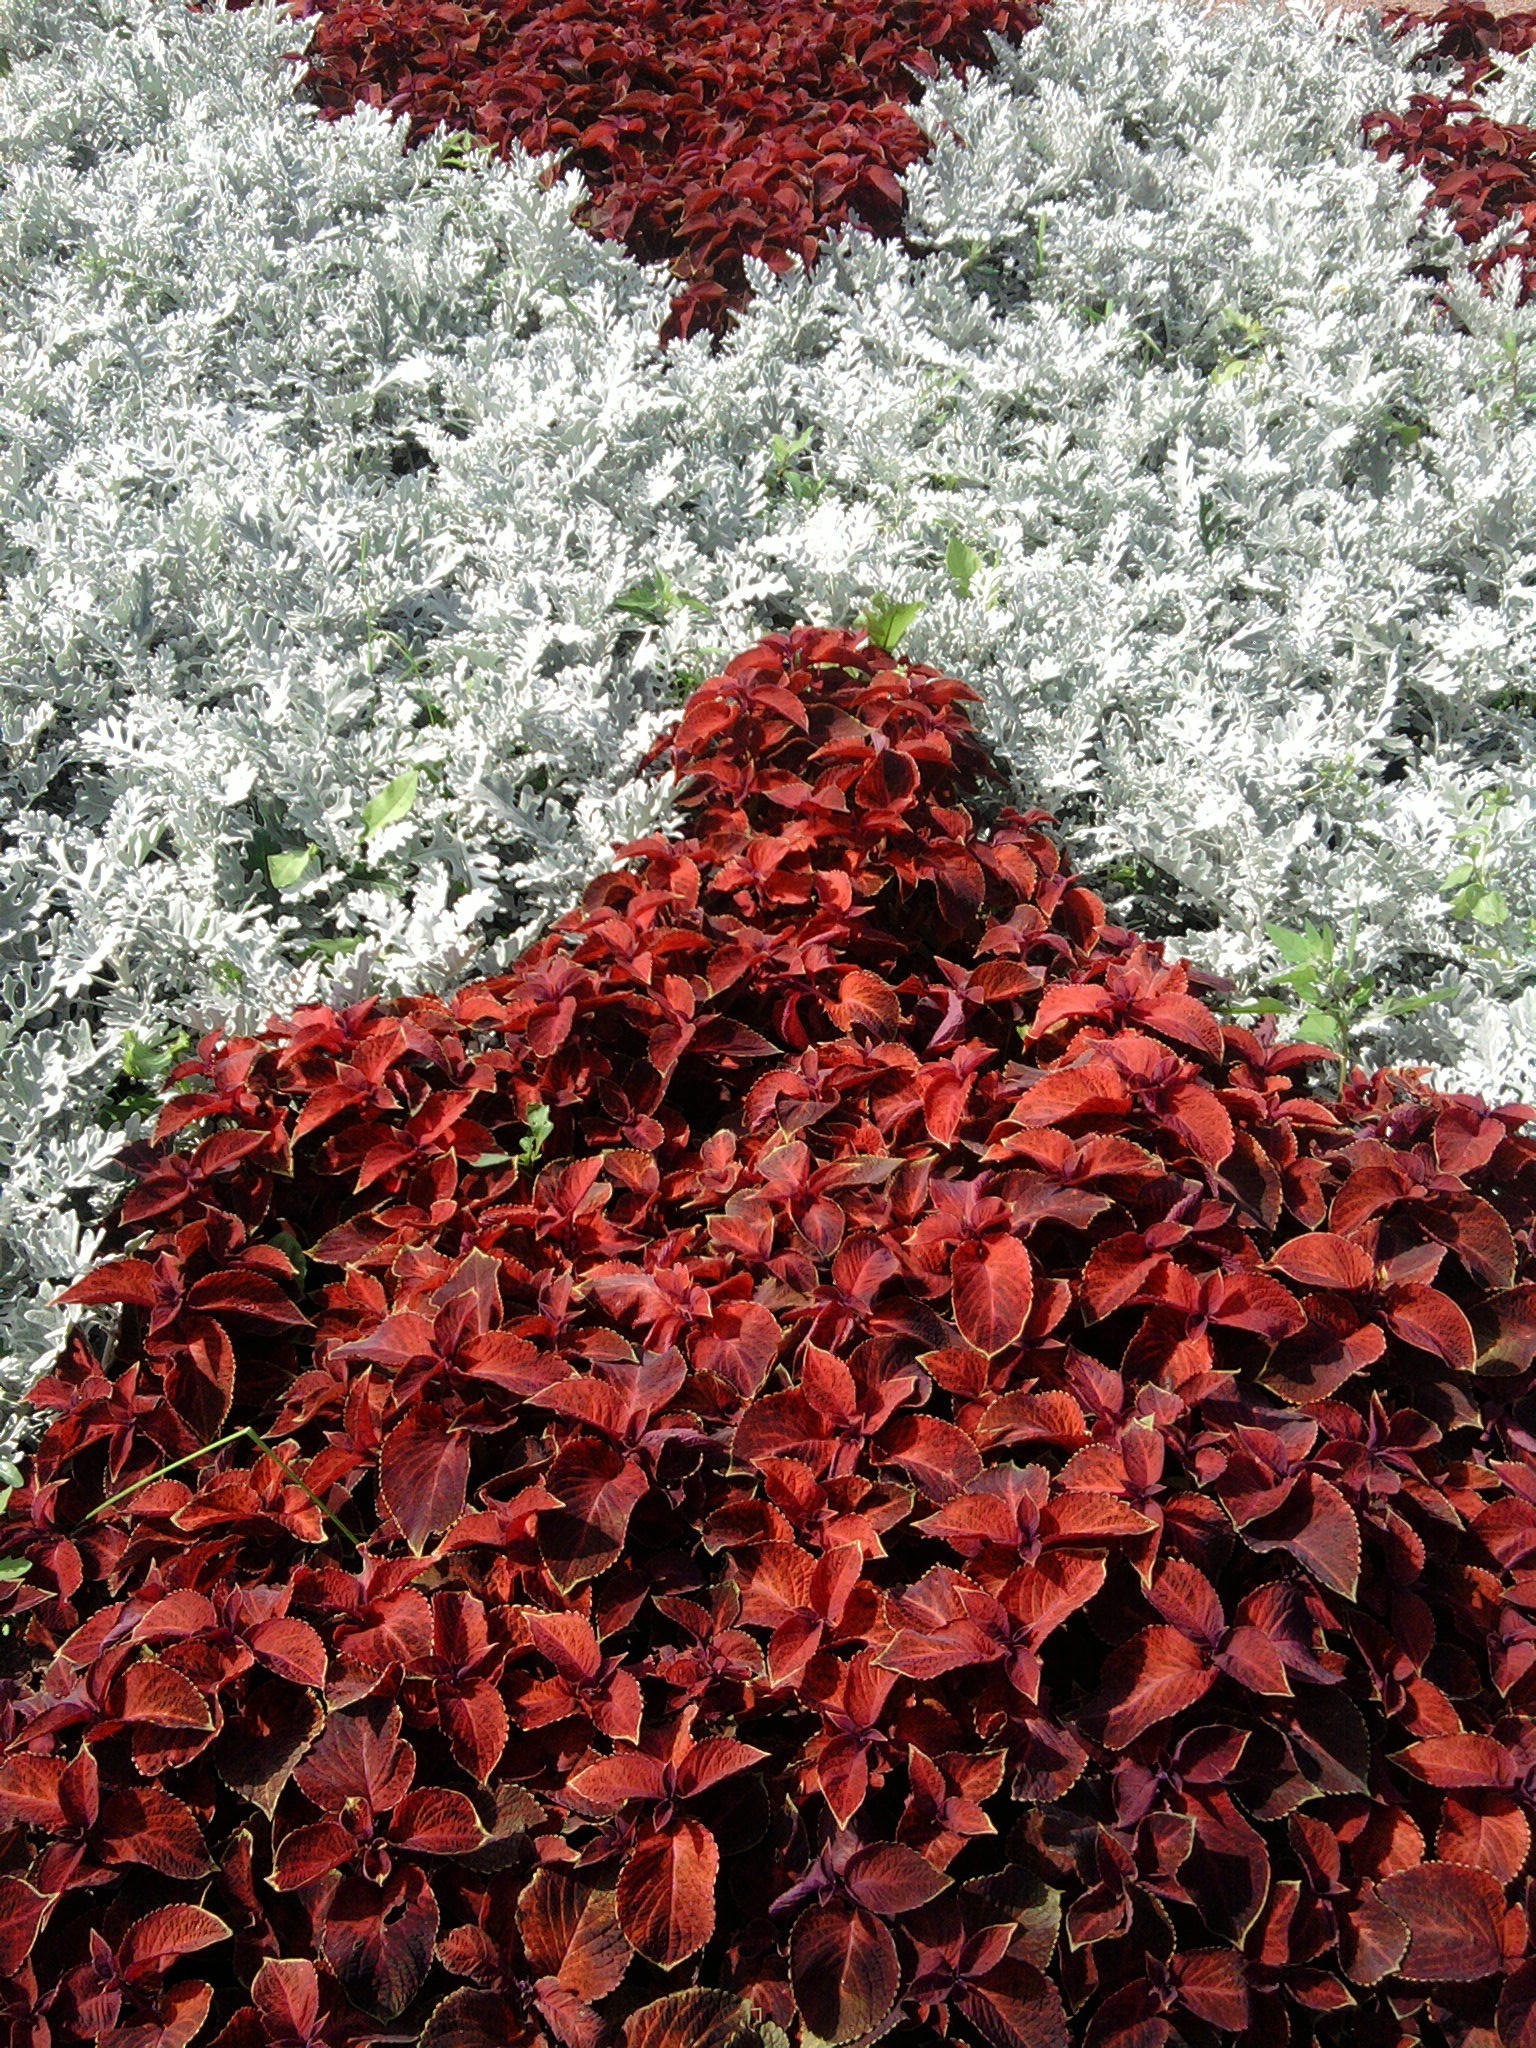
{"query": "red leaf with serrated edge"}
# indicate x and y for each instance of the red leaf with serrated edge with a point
(569, 1642)
(1486, 1829)
(1318, 1527)
(291, 1648)
(1252, 1301)
(146, 1824)
(599, 1489)
(1155, 1675)
(1431, 1321)
(1250, 1660)
(570, 1930)
(477, 1726)
(993, 1286)
(1183, 1020)
(129, 1281)
(1015, 2006)
(712, 1761)
(287, 1996)
(29, 1791)
(1070, 1002)
(688, 2019)
(170, 1931)
(1321, 1259)
(424, 1476)
(21, 1915)
(377, 1938)
(611, 1782)
(1459, 1761)
(153, 1694)
(666, 1893)
(936, 1456)
(437, 1822)
(359, 1755)
(1185, 1597)
(1213, 1985)
(1455, 1920)
(889, 1879)
(1092, 1090)
(254, 1295)
(307, 1854)
(1372, 1938)
(1480, 1238)
(865, 1003)
(844, 1969)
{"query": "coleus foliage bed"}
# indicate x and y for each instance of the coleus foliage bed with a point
(709, 134)
(1481, 171)
(356, 536)
(706, 133)
(829, 1458)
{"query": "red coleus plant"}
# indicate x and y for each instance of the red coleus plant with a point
(831, 1458)
(1482, 171)
(707, 135)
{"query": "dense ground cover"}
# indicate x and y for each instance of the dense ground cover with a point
(711, 134)
(356, 537)
(707, 134)
(840, 1461)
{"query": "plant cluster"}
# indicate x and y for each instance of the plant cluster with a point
(356, 538)
(1480, 170)
(829, 1458)
(706, 138)
(706, 134)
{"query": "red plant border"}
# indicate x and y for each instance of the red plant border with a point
(954, 1495)
(708, 133)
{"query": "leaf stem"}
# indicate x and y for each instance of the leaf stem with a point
(235, 1436)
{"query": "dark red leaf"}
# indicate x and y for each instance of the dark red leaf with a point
(1455, 1920)
(423, 1475)
(845, 1971)
(993, 1288)
(666, 1894)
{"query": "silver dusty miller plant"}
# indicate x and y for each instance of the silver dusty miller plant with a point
(356, 538)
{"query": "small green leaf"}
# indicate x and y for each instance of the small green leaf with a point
(785, 452)
(1304, 948)
(391, 804)
(293, 1252)
(1490, 908)
(1318, 1028)
(14, 1568)
(650, 599)
(151, 1059)
(539, 1125)
(333, 949)
(1458, 878)
(654, 599)
(887, 623)
(1405, 1006)
(963, 564)
(287, 868)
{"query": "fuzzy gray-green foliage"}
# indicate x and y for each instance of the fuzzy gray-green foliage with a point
(331, 475)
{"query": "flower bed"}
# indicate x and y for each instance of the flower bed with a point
(706, 134)
(356, 539)
(838, 1460)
